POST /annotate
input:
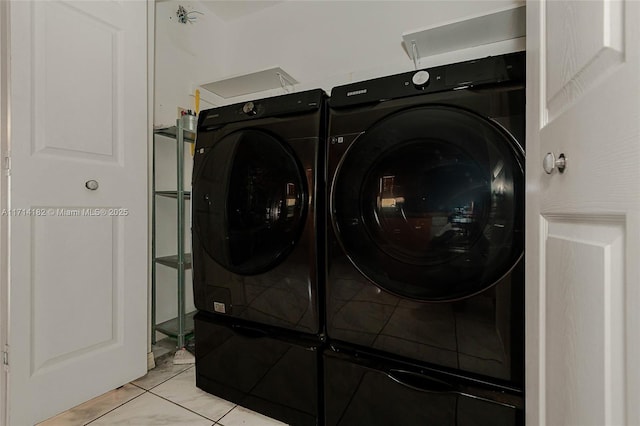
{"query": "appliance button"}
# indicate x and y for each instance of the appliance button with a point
(249, 108)
(420, 79)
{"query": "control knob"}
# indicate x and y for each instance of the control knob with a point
(420, 79)
(249, 108)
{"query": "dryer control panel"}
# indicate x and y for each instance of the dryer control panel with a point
(277, 106)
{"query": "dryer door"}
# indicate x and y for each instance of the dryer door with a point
(249, 201)
(428, 203)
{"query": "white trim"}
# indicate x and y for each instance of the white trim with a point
(151, 18)
(535, 225)
(4, 245)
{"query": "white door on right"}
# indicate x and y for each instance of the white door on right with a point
(583, 224)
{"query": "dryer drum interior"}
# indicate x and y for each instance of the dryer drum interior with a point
(251, 201)
(428, 203)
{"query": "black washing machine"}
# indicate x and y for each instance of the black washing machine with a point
(426, 206)
(258, 170)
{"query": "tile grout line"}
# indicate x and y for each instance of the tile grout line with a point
(215, 422)
(166, 380)
(188, 409)
(115, 408)
(225, 414)
(165, 399)
(139, 387)
(144, 391)
(137, 396)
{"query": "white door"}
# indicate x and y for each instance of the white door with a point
(78, 256)
(583, 225)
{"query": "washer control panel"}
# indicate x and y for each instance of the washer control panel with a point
(509, 68)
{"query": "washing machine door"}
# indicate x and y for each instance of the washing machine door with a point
(428, 203)
(249, 201)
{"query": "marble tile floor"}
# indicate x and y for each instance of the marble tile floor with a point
(167, 395)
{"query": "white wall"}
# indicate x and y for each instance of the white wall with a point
(184, 54)
(325, 43)
(320, 43)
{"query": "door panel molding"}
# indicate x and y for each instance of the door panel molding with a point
(75, 113)
(587, 58)
(587, 311)
(91, 310)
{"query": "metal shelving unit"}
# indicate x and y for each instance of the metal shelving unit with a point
(181, 327)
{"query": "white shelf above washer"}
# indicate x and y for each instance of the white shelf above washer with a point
(259, 81)
(501, 25)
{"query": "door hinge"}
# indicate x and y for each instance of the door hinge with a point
(5, 358)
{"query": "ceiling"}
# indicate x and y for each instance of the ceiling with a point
(229, 10)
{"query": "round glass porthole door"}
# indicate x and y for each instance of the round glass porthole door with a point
(428, 203)
(249, 200)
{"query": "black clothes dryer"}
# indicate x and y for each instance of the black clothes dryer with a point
(258, 169)
(425, 246)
